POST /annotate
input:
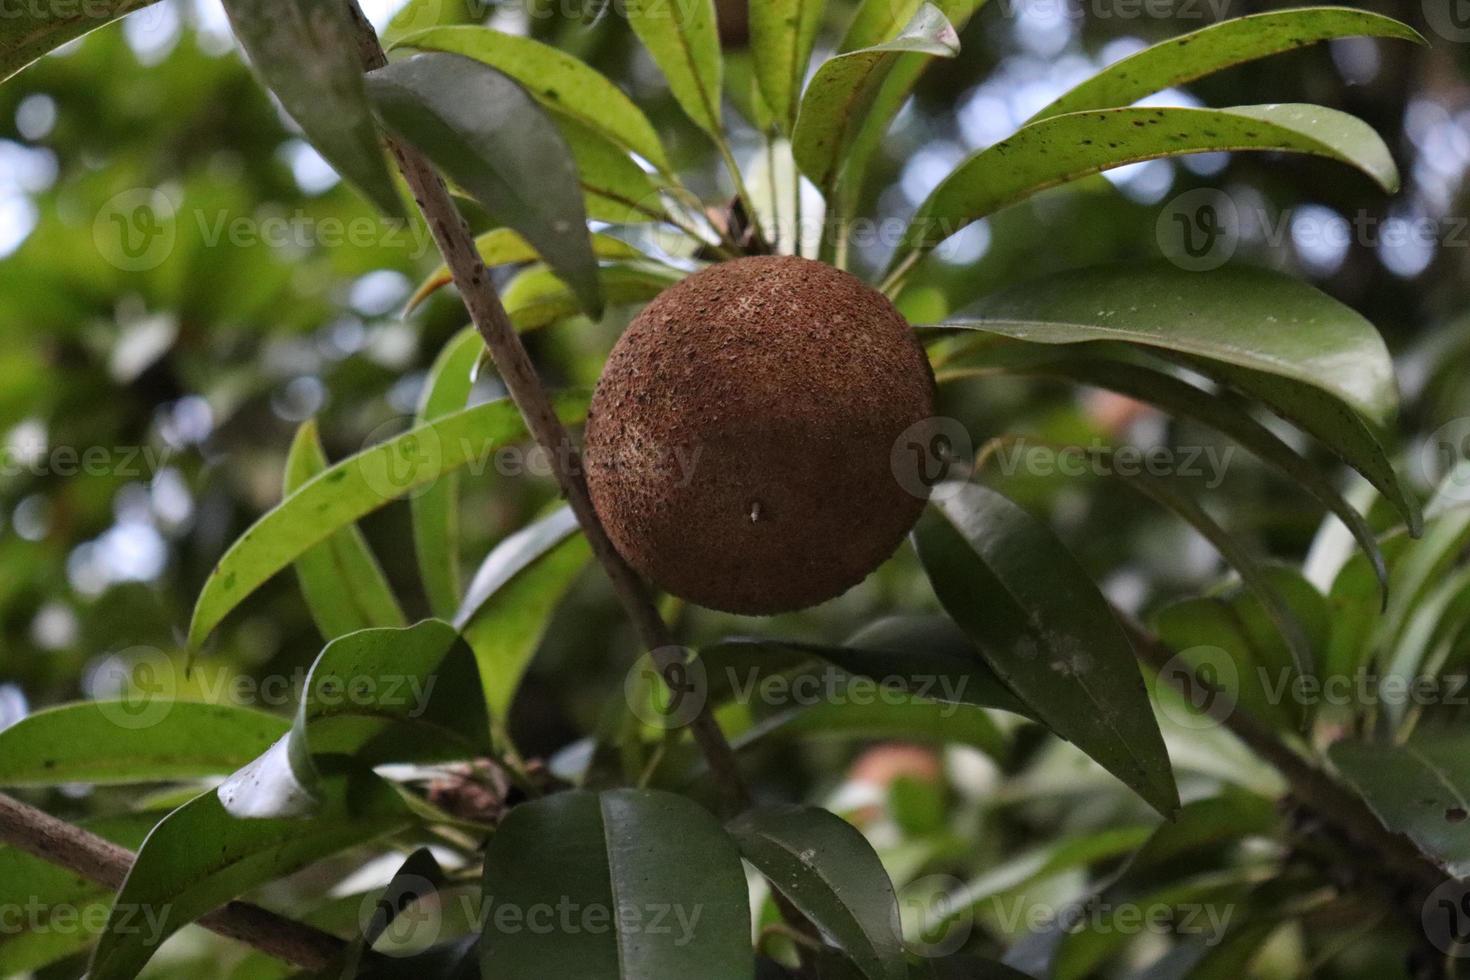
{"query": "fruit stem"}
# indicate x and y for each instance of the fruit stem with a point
(517, 371)
(741, 191)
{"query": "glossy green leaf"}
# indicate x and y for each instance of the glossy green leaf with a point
(1243, 317)
(1426, 638)
(829, 871)
(69, 903)
(372, 697)
(537, 297)
(1420, 789)
(782, 33)
(418, 16)
(306, 53)
(876, 21)
(353, 488)
(344, 585)
(1047, 632)
(112, 742)
(1240, 624)
(1064, 148)
(618, 858)
(1191, 56)
(1332, 417)
(614, 188)
(435, 511)
(483, 130)
(1183, 399)
(681, 37)
(839, 95)
(512, 596)
(199, 857)
(33, 30)
(560, 82)
(502, 246)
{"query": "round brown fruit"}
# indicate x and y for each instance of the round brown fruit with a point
(740, 439)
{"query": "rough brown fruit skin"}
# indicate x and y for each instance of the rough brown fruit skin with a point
(791, 381)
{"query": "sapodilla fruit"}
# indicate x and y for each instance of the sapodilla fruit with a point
(741, 439)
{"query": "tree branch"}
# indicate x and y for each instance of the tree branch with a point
(519, 374)
(81, 852)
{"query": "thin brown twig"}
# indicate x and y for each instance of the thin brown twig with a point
(519, 374)
(57, 842)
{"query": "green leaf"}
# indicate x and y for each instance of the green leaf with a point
(744, 91)
(1064, 148)
(681, 37)
(1250, 318)
(305, 52)
(354, 487)
(510, 601)
(828, 870)
(418, 878)
(1183, 399)
(1329, 416)
(32, 30)
(1241, 625)
(344, 586)
(617, 859)
(1183, 59)
(928, 656)
(489, 136)
(560, 82)
(502, 246)
(1420, 789)
(372, 697)
(876, 21)
(614, 188)
(102, 742)
(417, 16)
(782, 33)
(1426, 638)
(836, 101)
(199, 857)
(73, 907)
(537, 297)
(1047, 632)
(436, 510)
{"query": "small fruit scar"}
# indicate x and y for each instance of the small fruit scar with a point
(755, 511)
